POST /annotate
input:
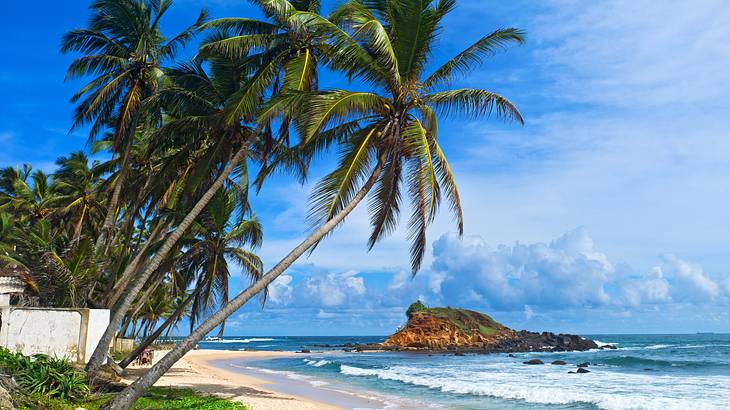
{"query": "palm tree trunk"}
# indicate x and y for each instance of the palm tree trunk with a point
(146, 294)
(99, 356)
(111, 209)
(148, 341)
(125, 399)
(79, 224)
(129, 271)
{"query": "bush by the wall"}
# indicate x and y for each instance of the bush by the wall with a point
(45, 375)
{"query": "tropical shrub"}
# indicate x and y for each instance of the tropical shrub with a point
(44, 375)
(416, 306)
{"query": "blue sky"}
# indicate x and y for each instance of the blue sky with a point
(609, 211)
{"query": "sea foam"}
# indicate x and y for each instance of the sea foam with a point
(606, 390)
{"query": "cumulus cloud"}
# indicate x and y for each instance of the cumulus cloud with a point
(318, 289)
(565, 272)
(651, 288)
(570, 272)
(280, 290)
(691, 282)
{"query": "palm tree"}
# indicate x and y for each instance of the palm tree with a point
(123, 51)
(284, 55)
(7, 243)
(287, 51)
(210, 150)
(381, 134)
(26, 194)
(76, 185)
(220, 236)
(216, 240)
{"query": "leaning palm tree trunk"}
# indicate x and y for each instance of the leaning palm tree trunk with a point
(100, 353)
(131, 268)
(125, 399)
(111, 210)
(148, 341)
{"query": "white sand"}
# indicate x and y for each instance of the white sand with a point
(194, 371)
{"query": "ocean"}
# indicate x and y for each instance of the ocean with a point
(644, 372)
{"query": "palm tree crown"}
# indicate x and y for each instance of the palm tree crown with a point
(123, 50)
(394, 127)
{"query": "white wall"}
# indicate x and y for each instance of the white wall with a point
(98, 321)
(72, 333)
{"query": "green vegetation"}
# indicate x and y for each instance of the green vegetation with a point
(416, 306)
(45, 376)
(156, 398)
(466, 320)
(150, 231)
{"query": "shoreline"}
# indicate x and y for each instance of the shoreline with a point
(194, 371)
(224, 373)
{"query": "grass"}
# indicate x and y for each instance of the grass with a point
(156, 398)
(467, 320)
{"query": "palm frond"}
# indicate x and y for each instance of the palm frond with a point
(336, 107)
(474, 55)
(474, 103)
(335, 190)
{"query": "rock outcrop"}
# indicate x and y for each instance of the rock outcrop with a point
(450, 329)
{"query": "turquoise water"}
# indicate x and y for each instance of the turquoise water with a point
(645, 372)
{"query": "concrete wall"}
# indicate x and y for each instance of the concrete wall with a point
(72, 333)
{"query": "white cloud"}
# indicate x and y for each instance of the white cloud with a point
(324, 315)
(652, 288)
(691, 282)
(569, 272)
(331, 289)
(566, 272)
(280, 290)
(529, 313)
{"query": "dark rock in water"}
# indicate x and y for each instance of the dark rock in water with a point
(571, 372)
(559, 362)
(612, 347)
(583, 370)
(510, 355)
(534, 361)
(458, 354)
(584, 364)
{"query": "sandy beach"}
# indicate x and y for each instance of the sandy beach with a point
(224, 373)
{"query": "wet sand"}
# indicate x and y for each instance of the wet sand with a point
(228, 374)
(193, 371)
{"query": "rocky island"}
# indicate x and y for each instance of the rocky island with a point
(461, 330)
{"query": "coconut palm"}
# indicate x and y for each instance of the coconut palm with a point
(220, 236)
(25, 193)
(210, 150)
(284, 55)
(217, 238)
(75, 185)
(8, 260)
(123, 51)
(386, 136)
(286, 51)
